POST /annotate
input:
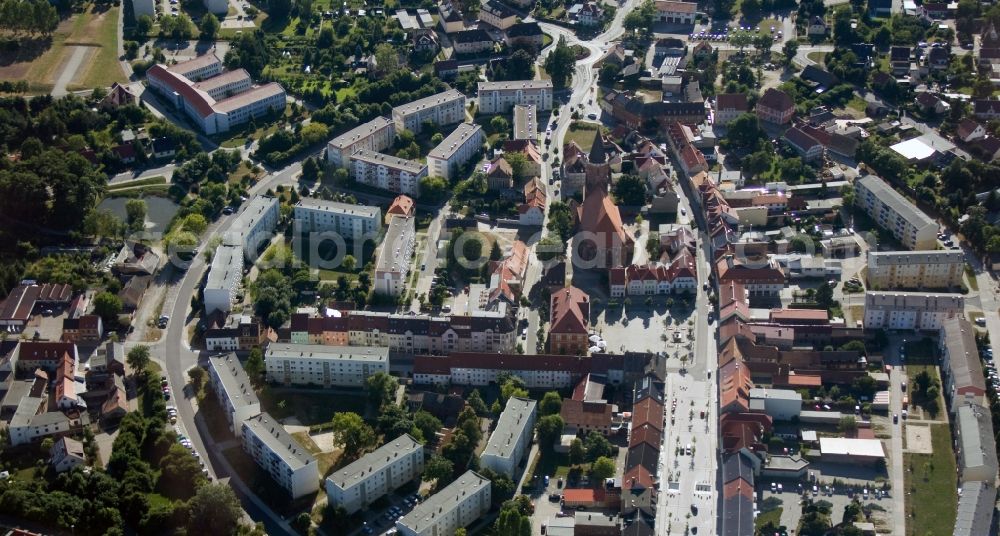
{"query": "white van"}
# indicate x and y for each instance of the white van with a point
(688, 449)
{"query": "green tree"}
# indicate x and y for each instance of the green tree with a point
(143, 25)
(381, 388)
(433, 189)
(387, 58)
(597, 446)
(107, 306)
(576, 452)
(560, 63)
(180, 473)
(824, 295)
(560, 219)
(279, 9)
(214, 510)
(427, 424)
(847, 424)
(499, 124)
(254, 366)
(744, 131)
(551, 404)
(602, 468)
(440, 469)
(475, 401)
(197, 376)
(630, 190)
(550, 247)
(853, 346)
(549, 429)
(209, 26)
(138, 359)
(790, 49)
(352, 433)
(512, 386)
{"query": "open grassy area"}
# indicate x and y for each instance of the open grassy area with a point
(327, 461)
(971, 278)
(931, 497)
(771, 516)
(583, 135)
(103, 68)
(818, 57)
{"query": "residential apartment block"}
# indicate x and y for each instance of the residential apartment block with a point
(542, 371)
(214, 100)
(352, 222)
(254, 225)
(456, 506)
(233, 390)
(975, 445)
(975, 508)
(225, 277)
(501, 97)
(894, 213)
(477, 331)
(376, 474)
(465, 142)
(394, 256)
(388, 172)
(445, 108)
(915, 269)
(376, 135)
(511, 439)
(910, 310)
(329, 366)
(280, 455)
(961, 368)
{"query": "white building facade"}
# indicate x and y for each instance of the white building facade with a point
(376, 135)
(328, 366)
(511, 438)
(394, 256)
(352, 222)
(454, 151)
(225, 277)
(456, 506)
(445, 108)
(233, 390)
(376, 474)
(501, 97)
(279, 455)
(388, 172)
(910, 310)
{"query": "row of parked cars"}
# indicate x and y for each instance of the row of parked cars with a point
(991, 369)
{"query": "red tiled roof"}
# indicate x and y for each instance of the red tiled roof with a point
(200, 100)
(570, 311)
(732, 101)
(793, 315)
(647, 412)
(402, 205)
(776, 99)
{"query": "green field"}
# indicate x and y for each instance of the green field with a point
(931, 497)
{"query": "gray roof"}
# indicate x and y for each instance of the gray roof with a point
(975, 509)
(895, 258)
(27, 408)
(515, 85)
(374, 461)
(525, 122)
(379, 354)
(776, 394)
(424, 514)
(402, 164)
(227, 267)
(975, 442)
(312, 203)
(596, 519)
(359, 132)
(401, 229)
(234, 380)
(920, 301)
(450, 144)
(959, 339)
(895, 200)
(273, 434)
(514, 422)
(737, 466)
(737, 516)
(428, 102)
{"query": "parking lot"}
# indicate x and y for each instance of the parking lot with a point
(642, 328)
(791, 498)
(392, 507)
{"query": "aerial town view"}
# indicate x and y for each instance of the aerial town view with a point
(499, 267)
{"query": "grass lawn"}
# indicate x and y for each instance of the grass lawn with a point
(327, 461)
(768, 517)
(104, 67)
(857, 104)
(931, 497)
(971, 278)
(818, 57)
(584, 137)
(553, 464)
(309, 407)
(158, 179)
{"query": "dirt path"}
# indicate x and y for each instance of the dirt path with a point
(69, 70)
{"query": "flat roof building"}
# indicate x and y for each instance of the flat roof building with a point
(351, 222)
(443, 108)
(511, 438)
(328, 366)
(254, 225)
(376, 474)
(780, 404)
(910, 310)
(395, 256)
(501, 97)
(233, 390)
(915, 270)
(456, 506)
(961, 367)
(465, 142)
(896, 214)
(851, 450)
(388, 172)
(975, 445)
(376, 135)
(280, 455)
(525, 122)
(225, 277)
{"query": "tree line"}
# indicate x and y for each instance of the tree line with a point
(32, 17)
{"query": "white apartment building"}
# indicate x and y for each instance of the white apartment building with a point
(376, 135)
(254, 225)
(213, 100)
(894, 213)
(525, 122)
(232, 389)
(910, 310)
(915, 269)
(388, 172)
(511, 439)
(376, 474)
(454, 151)
(501, 97)
(225, 277)
(675, 12)
(394, 256)
(280, 455)
(976, 446)
(352, 222)
(456, 506)
(443, 108)
(329, 366)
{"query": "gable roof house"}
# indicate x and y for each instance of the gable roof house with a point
(570, 318)
(775, 106)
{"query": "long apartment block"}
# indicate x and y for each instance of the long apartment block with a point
(445, 108)
(388, 172)
(915, 269)
(376, 135)
(894, 213)
(328, 366)
(349, 221)
(225, 275)
(454, 151)
(254, 225)
(394, 256)
(456, 506)
(233, 390)
(511, 438)
(501, 97)
(376, 474)
(910, 310)
(280, 455)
